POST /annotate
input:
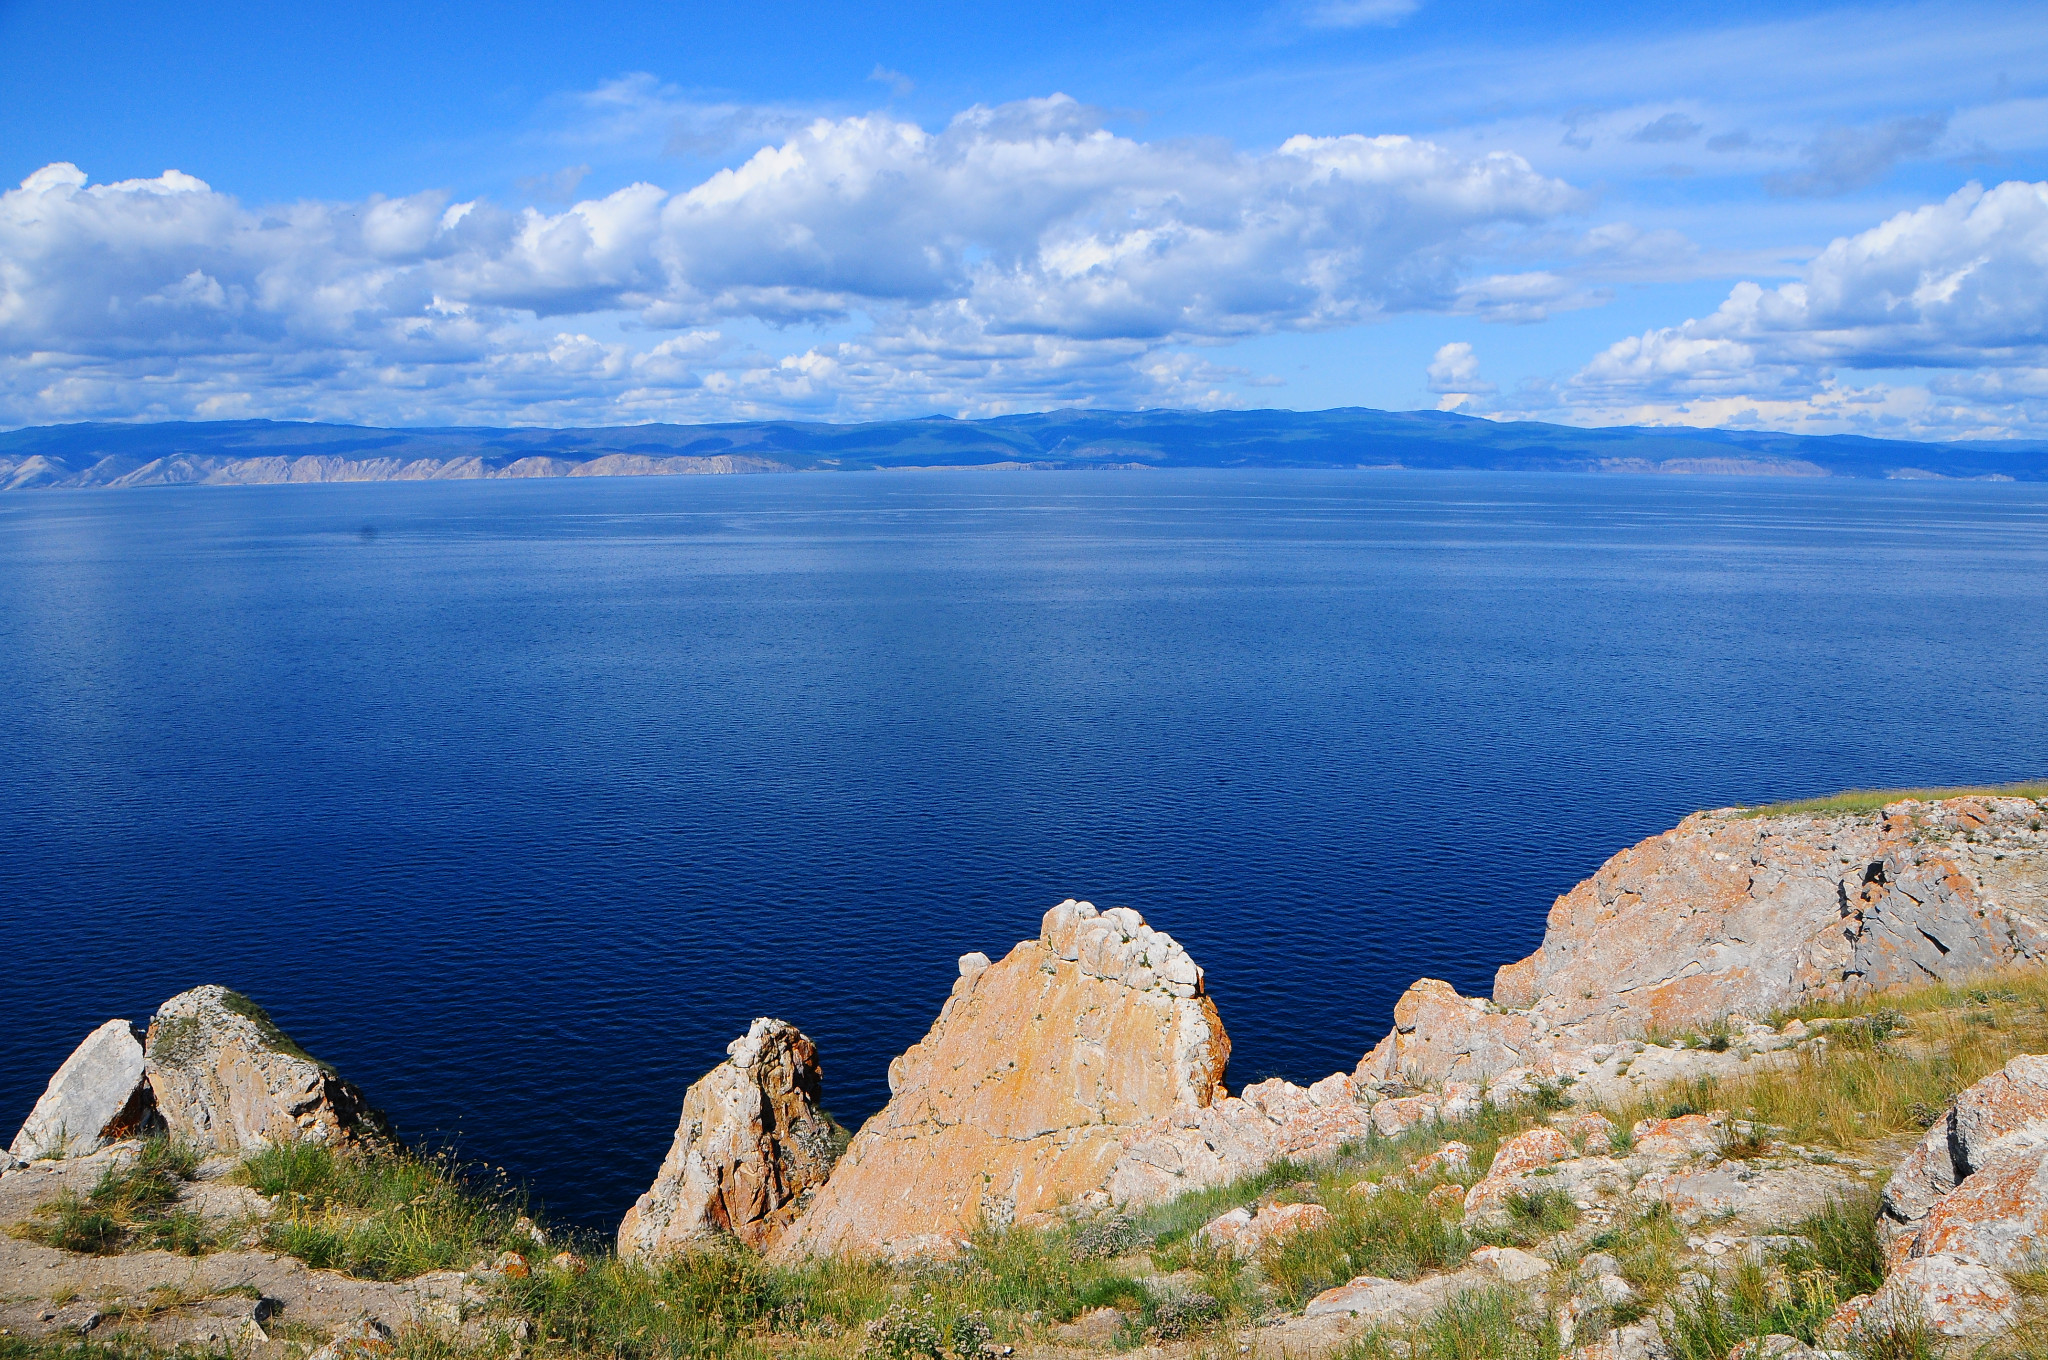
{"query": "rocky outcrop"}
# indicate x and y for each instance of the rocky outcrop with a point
(1441, 1036)
(225, 1078)
(2007, 1111)
(1966, 1208)
(1525, 1152)
(1193, 1146)
(1020, 1096)
(1952, 1296)
(1730, 913)
(96, 1097)
(753, 1145)
(1374, 1300)
(1246, 1232)
(1977, 1184)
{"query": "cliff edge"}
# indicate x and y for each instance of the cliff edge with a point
(1731, 912)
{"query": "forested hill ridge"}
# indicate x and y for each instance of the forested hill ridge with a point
(243, 452)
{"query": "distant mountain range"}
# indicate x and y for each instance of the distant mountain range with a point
(246, 452)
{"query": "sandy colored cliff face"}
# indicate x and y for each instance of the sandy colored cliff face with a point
(1020, 1094)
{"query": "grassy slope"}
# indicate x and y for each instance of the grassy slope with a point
(1873, 800)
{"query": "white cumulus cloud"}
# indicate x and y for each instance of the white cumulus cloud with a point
(1021, 255)
(1454, 375)
(1958, 287)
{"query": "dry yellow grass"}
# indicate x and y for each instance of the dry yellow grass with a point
(1892, 1064)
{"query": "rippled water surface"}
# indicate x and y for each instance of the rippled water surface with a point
(518, 800)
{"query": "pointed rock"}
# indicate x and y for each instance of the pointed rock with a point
(1439, 1035)
(752, 1146)
(226, 1078)
(1019, 1096)
(96, 1097)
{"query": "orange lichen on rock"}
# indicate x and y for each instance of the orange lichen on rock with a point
(1020, 1096)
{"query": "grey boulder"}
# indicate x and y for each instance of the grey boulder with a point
(226, 1078)
(95, 1098)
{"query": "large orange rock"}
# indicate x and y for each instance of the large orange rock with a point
(1998, 1216)
(752, 1145)
(1020, 1096)
(1953, 1296)
(1978, 1182)
(1732, 913)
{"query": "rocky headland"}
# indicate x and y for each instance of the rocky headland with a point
(1668, 1119)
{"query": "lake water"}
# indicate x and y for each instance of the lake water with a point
(518, 800)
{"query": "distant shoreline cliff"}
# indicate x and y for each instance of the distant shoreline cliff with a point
(261, 452)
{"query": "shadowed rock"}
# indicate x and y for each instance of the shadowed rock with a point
(225, 1078)
(96, 1097)
(751, 1147)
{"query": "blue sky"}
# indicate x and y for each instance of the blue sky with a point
(1803, 217)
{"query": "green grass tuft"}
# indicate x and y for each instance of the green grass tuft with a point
(1845, 1241)
(1850, 801)
(378, 1212)
(272, 1034)
(1488, 1324)
(131, 1207)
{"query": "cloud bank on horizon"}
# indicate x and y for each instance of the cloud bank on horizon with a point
(1024, 255)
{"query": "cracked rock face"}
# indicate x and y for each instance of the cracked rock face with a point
(226, 1078)
(1969, 1206)
(2001, 1119)
(1732, 913)
(96, 1097)
(1020, 1095)
(753, 1145)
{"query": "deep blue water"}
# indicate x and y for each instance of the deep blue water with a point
(518, 800)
